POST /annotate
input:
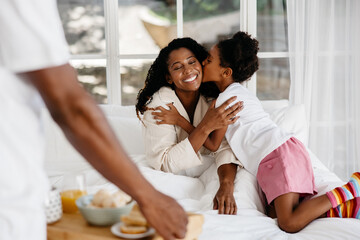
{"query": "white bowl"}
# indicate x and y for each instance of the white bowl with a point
(101, 216)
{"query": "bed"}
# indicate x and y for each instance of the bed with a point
(196, 194)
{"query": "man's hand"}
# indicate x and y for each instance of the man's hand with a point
(165, 215)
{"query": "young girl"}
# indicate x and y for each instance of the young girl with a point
(279, 161)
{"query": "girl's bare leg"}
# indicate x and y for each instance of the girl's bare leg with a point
(294, 216)
(270, 211)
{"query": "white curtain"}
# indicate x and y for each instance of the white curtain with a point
(324, 46)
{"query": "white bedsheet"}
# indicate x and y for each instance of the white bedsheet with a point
(196, 195)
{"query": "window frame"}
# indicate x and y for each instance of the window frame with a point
(249, 24)
(113, 57)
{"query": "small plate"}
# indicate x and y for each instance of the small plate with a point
(115, 229)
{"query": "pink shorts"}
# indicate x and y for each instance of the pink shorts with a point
(286, 169)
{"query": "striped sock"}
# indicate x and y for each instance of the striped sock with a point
(349, 209)
(355, 183)
(347, 192)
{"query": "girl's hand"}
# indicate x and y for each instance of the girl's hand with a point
(224, 200)
(216, 118)
(171, 116)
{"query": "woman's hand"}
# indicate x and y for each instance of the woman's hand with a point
(171, 116)
(224, 199)
(216, 118)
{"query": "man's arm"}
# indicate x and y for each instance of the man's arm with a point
(86, 127)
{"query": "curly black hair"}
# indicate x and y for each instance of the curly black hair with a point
(156, 77)
(240, 54)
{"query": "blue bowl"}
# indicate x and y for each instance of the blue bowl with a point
(101, 216)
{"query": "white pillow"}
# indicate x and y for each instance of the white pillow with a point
(126, 126)
(129, 132)
(119, 111)
(291, 118)
(60, 155)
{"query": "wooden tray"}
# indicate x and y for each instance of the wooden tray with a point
(74, 227)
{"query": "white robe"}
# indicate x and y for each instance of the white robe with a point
(167, 147)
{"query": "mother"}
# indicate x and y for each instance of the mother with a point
(175, 79)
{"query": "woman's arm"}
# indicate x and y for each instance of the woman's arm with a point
(211, 129)
(224, 199)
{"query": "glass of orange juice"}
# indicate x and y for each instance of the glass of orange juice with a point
(73, 187)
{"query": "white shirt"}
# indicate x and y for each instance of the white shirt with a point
(167, 147)
(254, 135)
(31, 38)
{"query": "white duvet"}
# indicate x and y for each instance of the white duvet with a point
(196, 195)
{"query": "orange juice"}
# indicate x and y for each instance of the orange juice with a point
(68, 199)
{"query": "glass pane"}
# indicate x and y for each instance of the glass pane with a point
(133, 74)
(273, 79)
(208, 21)
(272, 25)
(92, 76)
(84, 25)
(146, 25)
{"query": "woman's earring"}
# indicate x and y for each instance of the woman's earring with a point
(168, 79)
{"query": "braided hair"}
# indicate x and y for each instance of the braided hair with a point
(240, 54)
(156, 77)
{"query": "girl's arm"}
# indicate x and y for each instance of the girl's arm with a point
(215, 138)
(211, 129)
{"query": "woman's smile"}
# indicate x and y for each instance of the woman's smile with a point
(191, 78)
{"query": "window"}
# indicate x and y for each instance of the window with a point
(273, 77)
(113, 43)
(84, 25)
